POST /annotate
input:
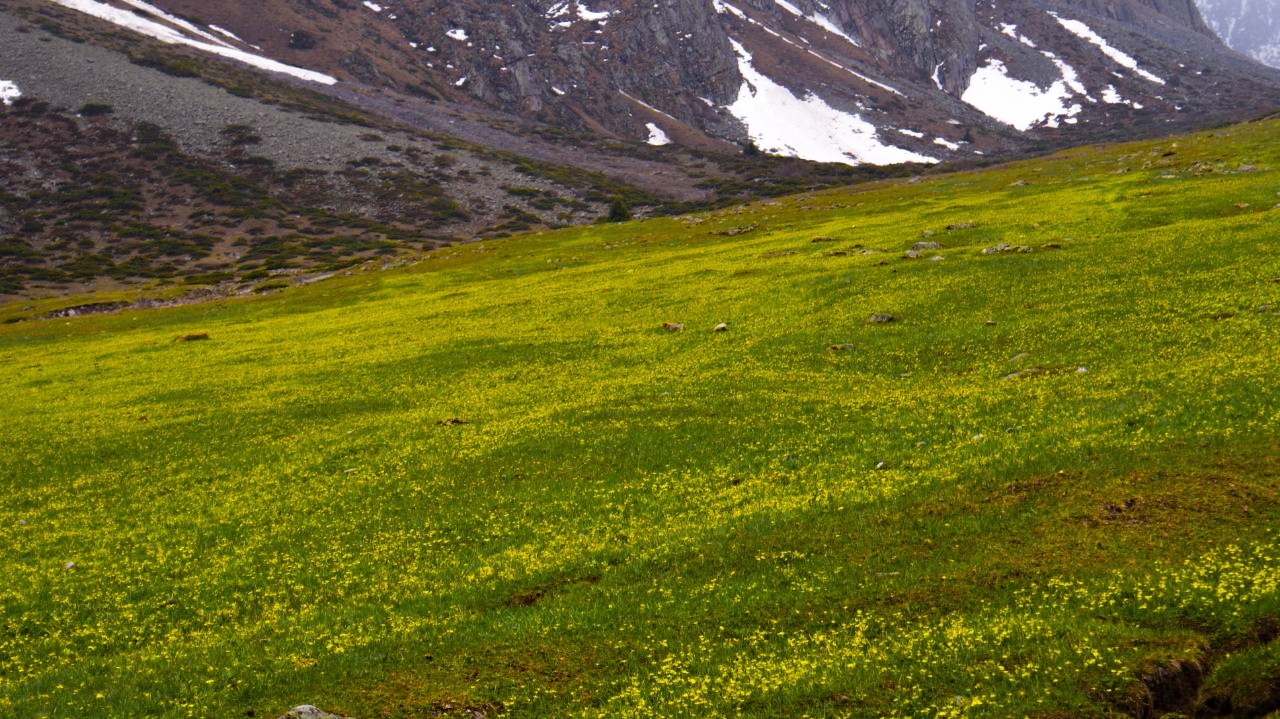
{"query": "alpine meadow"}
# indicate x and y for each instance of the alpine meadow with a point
(993, 443)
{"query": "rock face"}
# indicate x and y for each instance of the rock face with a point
(853, 81)
(1250, 26)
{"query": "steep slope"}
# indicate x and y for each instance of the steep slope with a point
(1036, 477)
(1250, 26)
(130, 160)
(887, 81)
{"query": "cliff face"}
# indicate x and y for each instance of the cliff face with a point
(1249, 26)
(836, 80)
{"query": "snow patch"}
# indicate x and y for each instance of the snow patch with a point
(9, 92)
(458, 34)
(171, 36)
(946, 143)
(657, 137)
(783, 124)
(373, 6)
(1079, 29)
(1019, 103)
(1112, 97)
(911, 133)
(1012, 31)
(818, 19)
(174, 20)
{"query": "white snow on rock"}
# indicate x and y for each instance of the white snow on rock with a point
(174, 20)
(725, 8)
(657, 137)
(9, 92)
(1012, 31)
(373, 6)
(911, 133)
(782, 124)
(1079, 29)
(1019, 103)
(458, 34)
(228, 34)
(172, 36)
(586, 13)
(946, 143)
(1112, 97)
(818, 19)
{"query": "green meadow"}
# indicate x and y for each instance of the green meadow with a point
(491, 483)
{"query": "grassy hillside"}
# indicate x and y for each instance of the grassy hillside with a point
(492, 484)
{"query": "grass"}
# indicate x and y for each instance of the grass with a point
(492, 484)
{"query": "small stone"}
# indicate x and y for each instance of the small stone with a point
(842, 347)
(1082, 370)
(722, 327)
(1247, 168)
(306, 711)
(961, 225)
(937, 258)
(927, 233)
(23, 523)
(672, 326)
(451, 422)
(926, 246)
(978, 437)
(882, 465)
(1019, 357)
(194, 337)
(922, 444)
(1242, 205)
(880, 318)
(911, 255)
(989, 323)
(69, 565)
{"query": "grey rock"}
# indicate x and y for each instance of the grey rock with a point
(307, 711)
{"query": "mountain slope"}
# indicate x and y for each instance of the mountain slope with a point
(1250, 26)
(708, 70)
(846, 81)
(494, 484)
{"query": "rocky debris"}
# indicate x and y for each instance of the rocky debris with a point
(93, 308)
(734, 231)
(307, 711)
(1113, 511)
(722, 327)
(194, 337)
(1004, 248)
(823, 239)
(880, 318)
(673, 326)
(921, 246)
(962, 225)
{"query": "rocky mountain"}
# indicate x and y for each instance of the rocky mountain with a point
(1250, 26)
(878, 82)
(249, 140)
